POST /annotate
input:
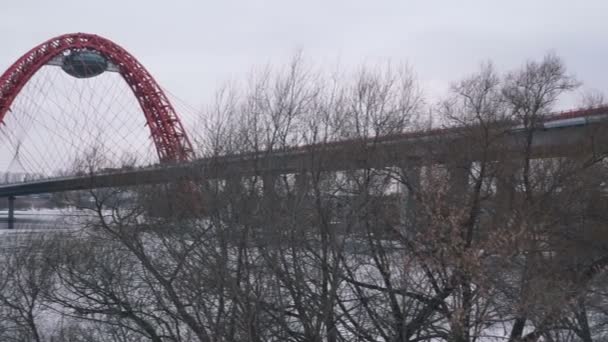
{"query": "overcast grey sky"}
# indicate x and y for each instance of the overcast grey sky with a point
(192, 47)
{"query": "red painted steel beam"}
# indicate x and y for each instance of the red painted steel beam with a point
(170, 139)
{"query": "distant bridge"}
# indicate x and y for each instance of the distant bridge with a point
(560, 135)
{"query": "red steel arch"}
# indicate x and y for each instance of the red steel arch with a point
(170, 139)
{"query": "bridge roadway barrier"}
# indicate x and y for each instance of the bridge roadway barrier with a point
(400, 150)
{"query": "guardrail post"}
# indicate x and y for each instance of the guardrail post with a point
(11, 212)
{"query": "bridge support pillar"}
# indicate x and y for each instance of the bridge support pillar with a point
(234, 186)
(232, 196)
(302, 184)
(269, 182)
(459, 182)
(506, 183)
(407, 195)
(11, 212)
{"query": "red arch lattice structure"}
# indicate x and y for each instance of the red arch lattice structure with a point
(170, 139)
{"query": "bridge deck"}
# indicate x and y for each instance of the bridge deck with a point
(562, 134)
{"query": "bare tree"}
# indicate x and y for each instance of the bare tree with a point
(472, 234)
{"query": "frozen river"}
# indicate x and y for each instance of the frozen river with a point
(43, 219)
